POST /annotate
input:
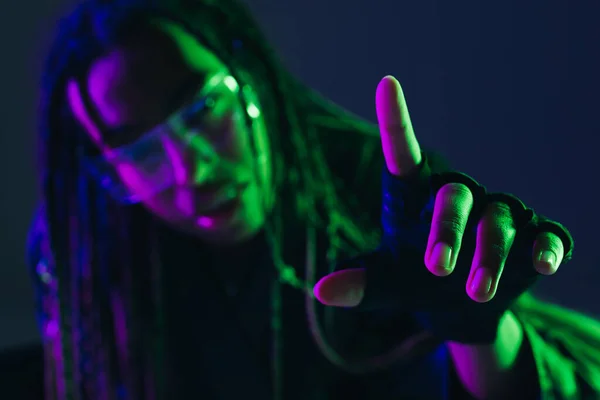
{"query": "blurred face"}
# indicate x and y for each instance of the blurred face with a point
(173, 134)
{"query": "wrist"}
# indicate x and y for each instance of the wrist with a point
(469, 328)
(488, 370)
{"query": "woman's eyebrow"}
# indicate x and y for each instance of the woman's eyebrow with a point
(182, 94)
(185, 92)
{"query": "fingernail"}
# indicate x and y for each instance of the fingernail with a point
(482, 281)
(548, 257)
(343, 288)
(441, 256)
(350, 298)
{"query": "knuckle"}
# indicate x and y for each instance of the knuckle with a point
(499, 210)
(496, 252)
(451, 226)
(502, 232)
(549, 241)
(499, 221)
(454, 202)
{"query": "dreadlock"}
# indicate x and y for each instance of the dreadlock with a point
(108, 308)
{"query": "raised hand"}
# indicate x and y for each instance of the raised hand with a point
(454, 203)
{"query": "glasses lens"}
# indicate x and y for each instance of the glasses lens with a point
(144, 168)
(136, 171)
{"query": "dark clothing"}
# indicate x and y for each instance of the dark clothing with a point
(225, 349)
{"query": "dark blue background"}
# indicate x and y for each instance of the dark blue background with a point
(507, 90)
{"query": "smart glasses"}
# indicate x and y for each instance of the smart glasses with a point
(145, 167)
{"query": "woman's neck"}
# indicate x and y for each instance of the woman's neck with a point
(233, 263)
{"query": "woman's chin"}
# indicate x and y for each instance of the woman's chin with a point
(228, 229)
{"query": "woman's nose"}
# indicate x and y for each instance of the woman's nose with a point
(192, 159)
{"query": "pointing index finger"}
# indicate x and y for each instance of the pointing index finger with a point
(400, 147)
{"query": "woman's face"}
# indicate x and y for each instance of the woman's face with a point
(169, 120)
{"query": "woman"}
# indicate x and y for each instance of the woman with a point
(187, 181)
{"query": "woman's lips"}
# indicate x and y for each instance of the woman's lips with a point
(214, 199)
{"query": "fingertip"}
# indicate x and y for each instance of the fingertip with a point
(441, 271)
(341, 289)
(388, 86)
(400, 147)
(547, 262)
(439, 260)
(481, 285)
(320, 290)
(544, 268)
(479, 296)
(436, 269)
(389, 79)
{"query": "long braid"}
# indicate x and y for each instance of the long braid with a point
(83, 336)
(102, 278)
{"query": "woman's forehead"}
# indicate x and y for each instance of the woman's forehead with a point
(137, 81)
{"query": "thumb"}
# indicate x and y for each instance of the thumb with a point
(342, 288)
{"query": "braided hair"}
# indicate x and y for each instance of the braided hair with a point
(107, 307)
